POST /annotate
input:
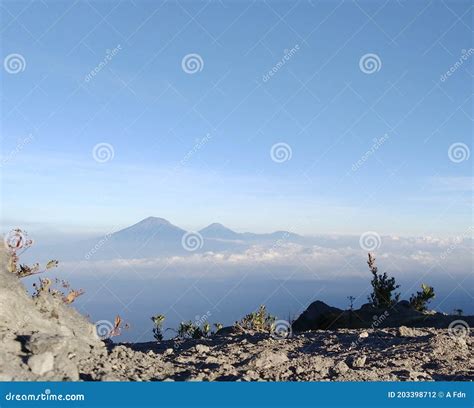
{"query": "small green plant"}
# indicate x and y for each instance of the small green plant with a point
(218, 326)
(259, 321)
(189, 330)
(383, 287)
(158, 327)
(421, 299)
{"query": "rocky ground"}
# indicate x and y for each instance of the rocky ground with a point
(336, 355)
(43, 339)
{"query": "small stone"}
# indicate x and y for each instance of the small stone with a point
(41, 363)
(250, 376)
(201, 348)
(168, 351)
(299, 370)
(341, 368)
(404, 331)
(359, 362)
(363, 335)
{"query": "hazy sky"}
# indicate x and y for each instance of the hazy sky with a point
(372, 142)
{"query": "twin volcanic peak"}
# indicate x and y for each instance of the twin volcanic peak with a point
(155, 237)
(162, 228)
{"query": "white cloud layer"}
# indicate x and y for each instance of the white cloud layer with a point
(334, 255)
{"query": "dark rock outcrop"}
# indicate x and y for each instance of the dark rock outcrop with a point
(320, 316)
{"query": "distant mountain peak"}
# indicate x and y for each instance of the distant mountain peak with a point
(150, 225)
(217, 230)
(154, 221)
(216, 225)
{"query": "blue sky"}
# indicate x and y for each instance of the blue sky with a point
(195, 147)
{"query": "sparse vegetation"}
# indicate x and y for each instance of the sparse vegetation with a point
(351, 302)
(158, 329)
(117, 329)
(45, 285)
(259, 321)
(420, 300)
(383, 287)
(189, 330)
(16, 243)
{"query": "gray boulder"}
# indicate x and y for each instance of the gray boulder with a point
(41, 338)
